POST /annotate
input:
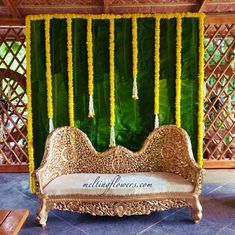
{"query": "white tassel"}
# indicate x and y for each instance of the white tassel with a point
(229, 105)
(135, 90)
(51, 127)
(91, 107)
(156, 122)
(8, 90)
(112, 137)
(2, 133)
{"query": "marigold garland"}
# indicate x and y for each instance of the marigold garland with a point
(135, 57)
(48, 73)
(90, 67)
(124, 16)
(29, 104)
(156, 71)
(178, 71)
(200, 91)
(112, 82)
(70, 71)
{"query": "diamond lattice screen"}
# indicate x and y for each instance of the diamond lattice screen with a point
(13, 100)
(219, 142)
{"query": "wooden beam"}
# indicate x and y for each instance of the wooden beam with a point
(209, 19)
(220, 19)
(14, 168)
(216, 164)
(12, 8)
(12, 21)
(106, 7)
(203, 5)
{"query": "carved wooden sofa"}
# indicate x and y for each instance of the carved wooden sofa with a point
(74, 176)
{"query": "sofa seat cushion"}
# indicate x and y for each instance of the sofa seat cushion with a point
(118, 184)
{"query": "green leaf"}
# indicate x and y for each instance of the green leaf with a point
(38, 82)
(189, 90)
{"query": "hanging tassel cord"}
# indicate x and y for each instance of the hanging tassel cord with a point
(9, 90)
(112, 137)
(91, 113)
(51, 126)
(156, 122)
(229, 105)
(135, 90)
(2, 133)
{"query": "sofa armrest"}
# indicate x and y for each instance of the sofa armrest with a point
(38, 182)
(48, 169)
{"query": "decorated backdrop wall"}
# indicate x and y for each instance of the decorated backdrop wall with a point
(114, 77)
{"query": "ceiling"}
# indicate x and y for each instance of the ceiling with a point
(14, 11)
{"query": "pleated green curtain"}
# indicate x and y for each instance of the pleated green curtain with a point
(134, 119)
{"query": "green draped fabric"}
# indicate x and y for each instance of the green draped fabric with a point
(134, 118)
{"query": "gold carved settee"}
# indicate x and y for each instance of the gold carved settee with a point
(74, 176)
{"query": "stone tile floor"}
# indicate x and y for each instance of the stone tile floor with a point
(218, 203)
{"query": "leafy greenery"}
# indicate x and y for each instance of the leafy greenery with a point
(134, 119)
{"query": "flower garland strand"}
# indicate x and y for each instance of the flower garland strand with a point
(29, 104)
(112, 82)
(70, 71)
(2, 132)
(200, 92)
(178, 71)
(156, 71)
(117, 16)
(135, 57)
(48, 74)
(90, 68)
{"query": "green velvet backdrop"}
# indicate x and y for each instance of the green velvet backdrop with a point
(134, 119)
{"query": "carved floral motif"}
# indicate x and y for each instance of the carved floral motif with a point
(121, 208)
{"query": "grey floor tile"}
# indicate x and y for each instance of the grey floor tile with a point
(226, 231)
(151, 232)
(181, 223)
(15, 200)
(109, 225)
(70, 217)
(210, 187)
(219, 210)
(225, 191)
(54, 226)
(219, 176)
(232, 225)
(218, 202)
(73, 231)
(113, 223)
(66, 231)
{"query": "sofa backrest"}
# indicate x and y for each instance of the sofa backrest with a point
(167, 149)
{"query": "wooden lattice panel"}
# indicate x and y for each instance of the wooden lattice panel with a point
(13, 100)
(219, 142)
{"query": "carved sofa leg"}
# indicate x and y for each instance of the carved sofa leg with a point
(42, 213)
(196, 209)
